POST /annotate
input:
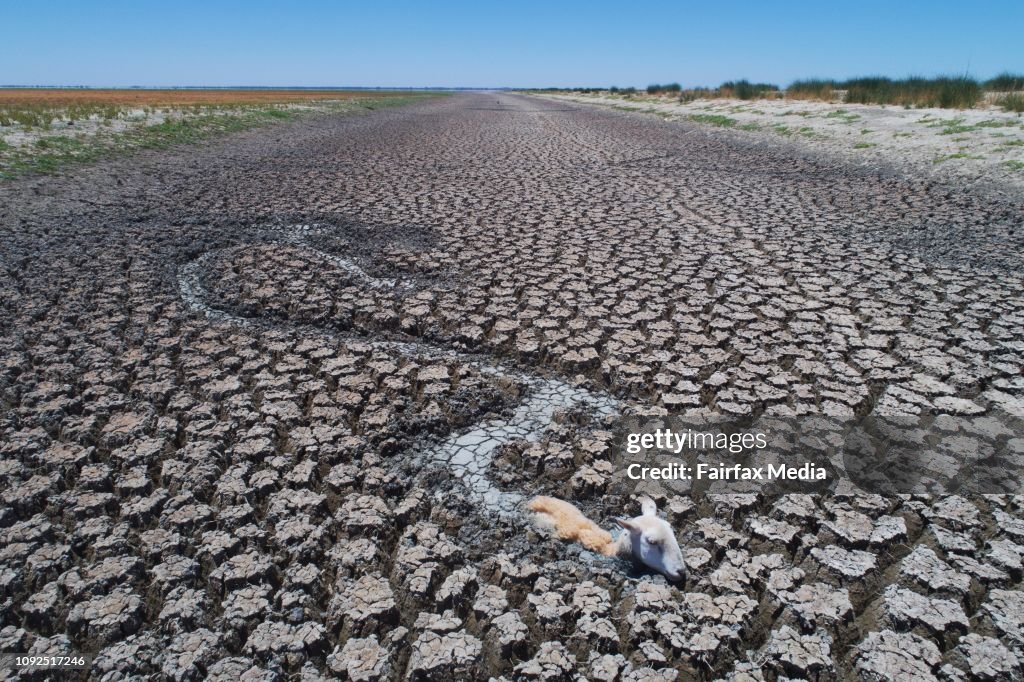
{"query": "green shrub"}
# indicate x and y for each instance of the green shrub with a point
(1005, 82)
(812, 88)
(660, 89)
(948, 92)
(744, 89)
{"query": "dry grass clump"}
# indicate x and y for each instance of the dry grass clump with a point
(1013, 101)
(1010, 91)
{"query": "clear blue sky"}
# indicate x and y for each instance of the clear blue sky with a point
(510, 43)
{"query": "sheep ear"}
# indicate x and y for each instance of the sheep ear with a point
(648, 506)
(628, 525)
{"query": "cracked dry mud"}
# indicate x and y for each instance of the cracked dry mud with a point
(251, 392)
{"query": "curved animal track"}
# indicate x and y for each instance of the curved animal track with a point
(469, 452)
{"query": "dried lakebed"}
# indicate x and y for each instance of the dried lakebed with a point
(468, 453)
(185, 497)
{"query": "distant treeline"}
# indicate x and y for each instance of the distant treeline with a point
(943, 91)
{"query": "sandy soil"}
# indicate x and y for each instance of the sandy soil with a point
(232, 446)
(982, 145)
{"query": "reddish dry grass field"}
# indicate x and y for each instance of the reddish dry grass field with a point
(64, 97)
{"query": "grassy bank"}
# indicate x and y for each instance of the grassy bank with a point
(947, 92)
(45, 133)
(942, 92)
(42, 107)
